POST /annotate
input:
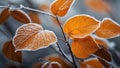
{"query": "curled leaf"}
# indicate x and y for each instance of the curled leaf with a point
(92, 63)
(106, 65)
(84, 47)
(59, 59)
(101, 43)
(108, 29)
(32, 37)
(20, 16)
(103, 53)
(4, 15)
(35, 17)
(98, 5)
(60, 7)
(9, 52)
(80, 26)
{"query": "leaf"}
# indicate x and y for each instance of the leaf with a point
(44, 7)
(9, 52)
(35, 18)
(98, 5)
(32, 37)
(61, 7)
(37, 65)
(59, 59)
(80, 26)
(51, 65)
(93, 63)
(4, 15)
(103, 53)
(84, 47)
(101, 43)
(108, 29)
(20, 16)
(106, 65)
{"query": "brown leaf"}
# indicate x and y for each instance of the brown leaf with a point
(81, 26)
(9, 51)
(51, 65)
(32, 37)
(103, 53)
(108, 29)
(35, 18)
(59, 59)
(106, 65)
(61, 7)
(4, 15)
(20, 16)
(84, 47)
(37, 65)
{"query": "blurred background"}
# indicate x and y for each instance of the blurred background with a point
(102, 9)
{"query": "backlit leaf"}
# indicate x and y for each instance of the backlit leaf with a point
(84, 47)
(35, 17)
(20, 16)
(98, 5)
(9, 51)
(103, 53)
(93, 63)
(61, 7)
(59, 59)
(4, 15)
(108, 29)
(106, 65)
(80, 26)
(32, 37)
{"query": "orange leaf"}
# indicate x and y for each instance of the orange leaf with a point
(93, 63)
(80, 26)
(59, 59)
(98, 5)
(103, 53)
(44, 7)
(84, 47)
(35, 17)
(108, 29)
(32, 37)
(20, 15)
(9, 51)
(102, 43)
(61, 7)
(106, 65)
(4, 15)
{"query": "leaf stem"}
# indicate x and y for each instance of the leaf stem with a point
(73, 58)
(62, 52)
(9, 37)
(35, 10)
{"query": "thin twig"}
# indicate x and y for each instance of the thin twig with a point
(9, 37)
(73, 58)
(35, 10)
(62, 52)
(3, 6)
